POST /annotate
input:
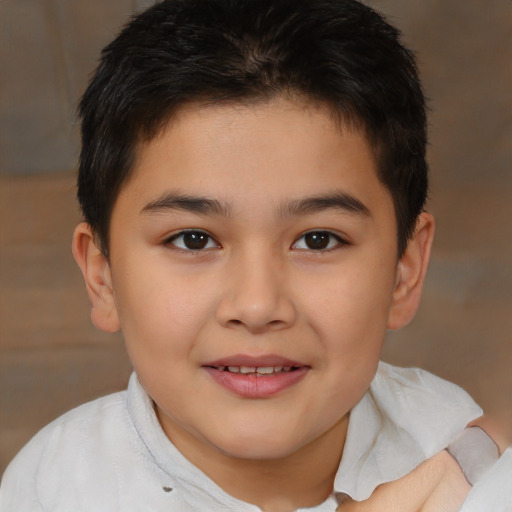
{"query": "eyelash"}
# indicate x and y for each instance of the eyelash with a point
(202, 237)
(211, 243)
(338, 241)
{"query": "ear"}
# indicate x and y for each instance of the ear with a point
(411, 271)
(98, 280)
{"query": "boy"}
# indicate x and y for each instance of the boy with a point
(252, 179)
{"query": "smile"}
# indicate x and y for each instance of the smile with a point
(257, 371)
(260, 377)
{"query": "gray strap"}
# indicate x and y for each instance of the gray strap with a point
(475, 453)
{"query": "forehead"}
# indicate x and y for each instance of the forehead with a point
(266, 151)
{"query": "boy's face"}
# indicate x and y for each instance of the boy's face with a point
(253, 237)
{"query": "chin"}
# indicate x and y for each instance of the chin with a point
(255, 446)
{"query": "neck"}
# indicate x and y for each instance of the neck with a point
(302, 479)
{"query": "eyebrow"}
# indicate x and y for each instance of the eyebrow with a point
(337, 201)
(193, 204)
(296, 207)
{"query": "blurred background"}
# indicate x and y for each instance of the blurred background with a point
(51, 358)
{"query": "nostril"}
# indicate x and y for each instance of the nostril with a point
(272, 325)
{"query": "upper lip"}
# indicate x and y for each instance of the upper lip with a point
(254, 361)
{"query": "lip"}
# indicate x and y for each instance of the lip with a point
(251, 386)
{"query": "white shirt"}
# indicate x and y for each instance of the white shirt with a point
(111, 455)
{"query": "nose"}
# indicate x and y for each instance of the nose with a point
(255, 295)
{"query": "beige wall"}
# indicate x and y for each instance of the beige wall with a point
(50, 356)
(48, 48)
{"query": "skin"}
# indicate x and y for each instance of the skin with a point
(257, 288)
(437, 485)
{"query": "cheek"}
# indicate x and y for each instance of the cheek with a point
(349, 313)
(349, 301)
(161, 312)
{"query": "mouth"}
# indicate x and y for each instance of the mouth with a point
(260, 377)
(256, 371)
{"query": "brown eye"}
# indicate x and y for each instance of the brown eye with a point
(318, 241)
(193, 241)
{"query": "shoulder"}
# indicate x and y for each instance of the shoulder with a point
(468, 474)
(445, 482)
(436, 485)
(407, 417)
(68, 445)
(82, 424)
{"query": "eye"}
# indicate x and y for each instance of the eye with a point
(318, 241)
(192, 240)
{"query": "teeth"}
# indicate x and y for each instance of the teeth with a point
(256, 370)
(265, 370)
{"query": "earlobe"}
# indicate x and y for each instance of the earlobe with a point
(411, 272)
(98, 280)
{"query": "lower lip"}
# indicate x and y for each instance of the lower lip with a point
(250, 386)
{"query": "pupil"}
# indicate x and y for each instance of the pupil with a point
(317, 240)
(195, 240)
